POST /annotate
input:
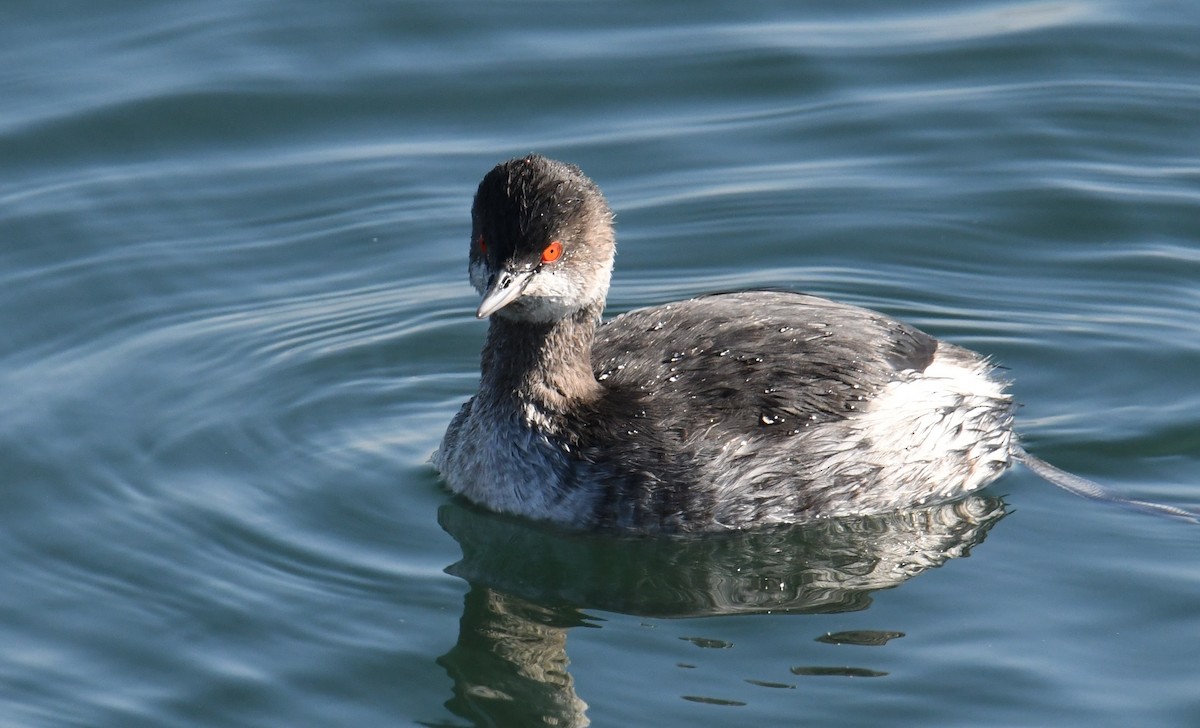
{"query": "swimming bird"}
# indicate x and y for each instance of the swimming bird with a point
(725, 411)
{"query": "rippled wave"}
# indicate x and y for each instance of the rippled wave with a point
(234, 302)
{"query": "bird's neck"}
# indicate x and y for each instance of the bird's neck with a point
(544, 365)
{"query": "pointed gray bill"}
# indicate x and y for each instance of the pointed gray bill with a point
(506, 287)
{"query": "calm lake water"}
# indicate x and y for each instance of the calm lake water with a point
(236, 321)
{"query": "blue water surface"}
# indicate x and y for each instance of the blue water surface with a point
(233, 242)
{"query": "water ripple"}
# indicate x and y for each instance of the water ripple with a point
(236, 317)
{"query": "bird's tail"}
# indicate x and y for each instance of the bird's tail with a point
(1087, 489)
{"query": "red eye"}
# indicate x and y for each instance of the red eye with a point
(552, 252)
(482, 245)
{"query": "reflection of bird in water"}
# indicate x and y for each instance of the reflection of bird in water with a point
(529, 584)
(825, 566)
(510, 664)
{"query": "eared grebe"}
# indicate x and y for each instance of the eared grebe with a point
(724, 411)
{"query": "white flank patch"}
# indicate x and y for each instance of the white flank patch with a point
(948, 424)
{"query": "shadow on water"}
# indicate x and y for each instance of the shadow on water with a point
(529, 584)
